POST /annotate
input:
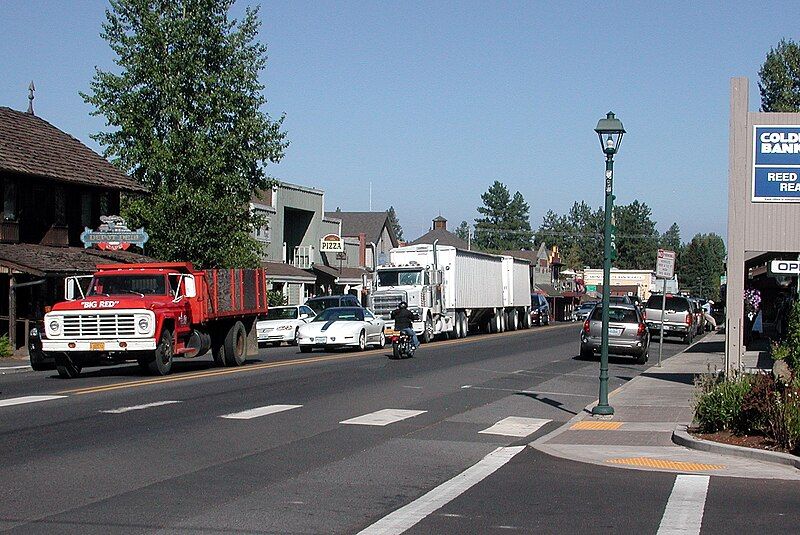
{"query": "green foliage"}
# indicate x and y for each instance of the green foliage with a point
(701, 264)
(779, 78)
(718, 402)
(783, 416)
(276, 299)
(637, 237)
(506, 223)
(5, 347)
(789, 348)
(184, 107)
(395, 224)
(462, 231)
(671, 239)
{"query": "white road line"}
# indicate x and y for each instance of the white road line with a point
(383, 417)
(26, 399)
(259, 411)
(684, 512)
(516, 426)
(408, 516)
(138, 407)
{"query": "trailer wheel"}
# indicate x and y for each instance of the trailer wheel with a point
(162, 363)
(459, 326)
(235, 345)
(464, 325)
(514, 319)
(67, 369)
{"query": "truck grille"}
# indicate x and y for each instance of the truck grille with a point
(105, 325)
(384, 304)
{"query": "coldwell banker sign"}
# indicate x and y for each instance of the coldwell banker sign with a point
(776, 169)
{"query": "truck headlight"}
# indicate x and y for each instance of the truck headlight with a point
(55, 326)
(144, 324)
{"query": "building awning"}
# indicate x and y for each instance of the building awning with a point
(547, 289)
(348, 275)
(43, 260)
(280, 272)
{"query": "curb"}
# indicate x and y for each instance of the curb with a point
(682, 438)
(9, 370)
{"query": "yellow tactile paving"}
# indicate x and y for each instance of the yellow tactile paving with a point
(649, 462)
(589, 425)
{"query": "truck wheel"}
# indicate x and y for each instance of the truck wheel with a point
(67, 369)
(162, 363)
(427, 331)
(235, 345)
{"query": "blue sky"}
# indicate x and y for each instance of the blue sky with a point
(433, 101)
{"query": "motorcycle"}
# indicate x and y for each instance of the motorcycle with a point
(402, 348)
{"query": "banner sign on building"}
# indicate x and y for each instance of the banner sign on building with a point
(776, 164)
(113, 234)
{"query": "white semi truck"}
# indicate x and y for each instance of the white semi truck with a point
(453, 291)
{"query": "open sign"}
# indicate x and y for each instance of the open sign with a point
(785, 267)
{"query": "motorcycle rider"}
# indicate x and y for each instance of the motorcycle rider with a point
(403, 322)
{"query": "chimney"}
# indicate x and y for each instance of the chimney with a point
(440, 223)
(362, 249)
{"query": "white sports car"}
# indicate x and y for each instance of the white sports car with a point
(342, 326)
(281, 324)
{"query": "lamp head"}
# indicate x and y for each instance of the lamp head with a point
(610, 131)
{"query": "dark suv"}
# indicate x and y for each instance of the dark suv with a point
(540, 310)
(318, 304)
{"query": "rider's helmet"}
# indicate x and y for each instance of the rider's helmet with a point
(403, 304)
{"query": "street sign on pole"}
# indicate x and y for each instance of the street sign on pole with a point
(665, 269)
(665, 264)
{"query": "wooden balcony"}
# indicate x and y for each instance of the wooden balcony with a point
(9, 232)
(56, 236)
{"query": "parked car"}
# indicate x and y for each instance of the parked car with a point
(699, 317)
(318, 304)
(342, 326)
(627, 332)
(281, 324)
(582, 312)
(678, 316)
(540, 310)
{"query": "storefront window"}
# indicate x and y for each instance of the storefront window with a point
(10, 200)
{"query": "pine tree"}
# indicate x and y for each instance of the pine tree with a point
(463, 230)
(779, 78)
(702, 263)
(184, 107)
(395, 224)
(506, 222)
(637, 237)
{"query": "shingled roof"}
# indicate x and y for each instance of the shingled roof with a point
(444, 236)
(43, 259)
(29, 145)
(370, 223)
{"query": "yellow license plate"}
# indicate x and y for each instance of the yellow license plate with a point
(97, 346)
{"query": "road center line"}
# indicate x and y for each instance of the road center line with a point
(684, 512)
(383, 417)
(26, 399)
(122, 410)
(259, 411)
(408, 516)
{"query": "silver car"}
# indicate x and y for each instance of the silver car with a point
(679, 318)
(627, 332)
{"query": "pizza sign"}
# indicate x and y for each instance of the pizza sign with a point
(113, 234)
(331, 243)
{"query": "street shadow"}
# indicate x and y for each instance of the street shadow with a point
(133, 370)
(682, 378)
(547, 401)
(708, 347)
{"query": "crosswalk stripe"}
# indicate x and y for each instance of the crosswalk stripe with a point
(259, 411)
(383, 417)
(408, 516)
(684, 512)
(26, 399)
(516, 426)
(122, 410)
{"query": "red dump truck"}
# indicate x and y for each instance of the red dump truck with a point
(150, 313)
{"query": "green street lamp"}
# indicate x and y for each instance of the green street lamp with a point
(610, 132)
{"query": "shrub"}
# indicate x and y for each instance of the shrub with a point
(789, 349)
(5, 347)
(754, 416)
(784, 415)
(718, 403)
(276, 299)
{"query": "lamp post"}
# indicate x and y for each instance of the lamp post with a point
(610, 131)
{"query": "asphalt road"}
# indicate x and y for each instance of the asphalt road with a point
(291, 443)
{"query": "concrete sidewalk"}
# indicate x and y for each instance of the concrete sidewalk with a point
(647, 410)
(15, 365)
